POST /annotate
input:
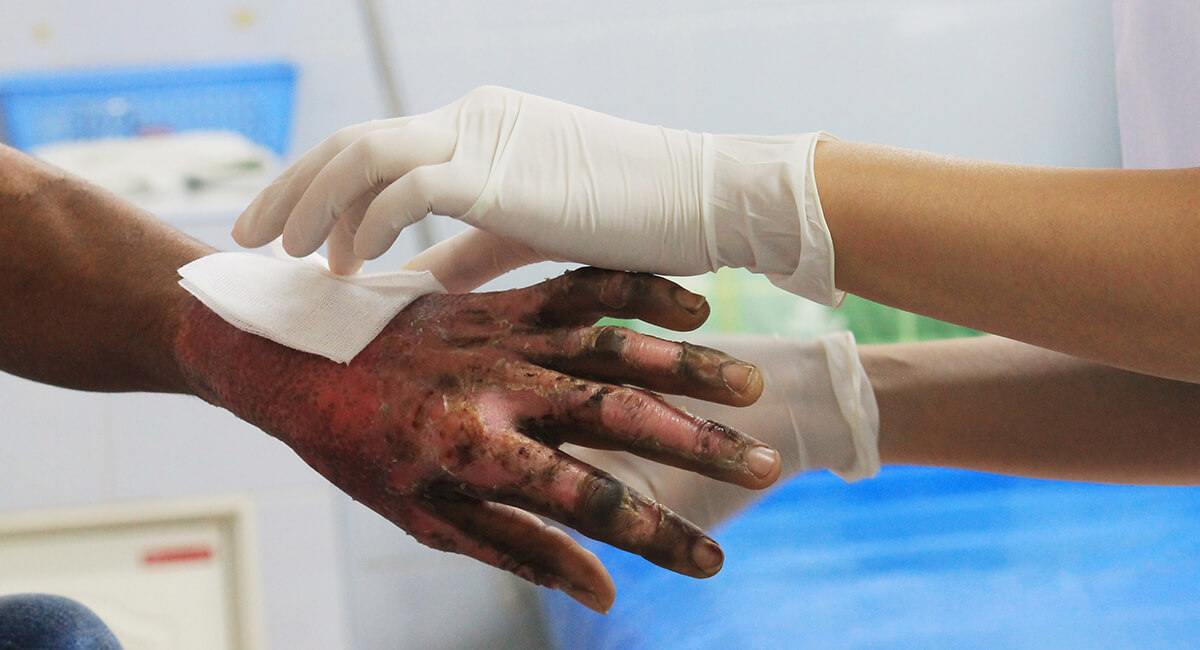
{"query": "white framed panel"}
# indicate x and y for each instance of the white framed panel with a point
(177, 575)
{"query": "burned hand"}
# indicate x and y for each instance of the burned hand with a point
(449, 423)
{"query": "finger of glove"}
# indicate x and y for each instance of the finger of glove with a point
(365, 168)
(471, 258)
(547, 482)
(340, 250)
(517, 542)
(583, 296)
(622, 356)
(259, 224)
(441, 189)
(264, 219)
(617, 417)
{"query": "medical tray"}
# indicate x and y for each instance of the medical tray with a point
(251, 98)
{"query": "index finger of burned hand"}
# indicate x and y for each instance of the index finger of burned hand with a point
(583, 296)
(548, 482)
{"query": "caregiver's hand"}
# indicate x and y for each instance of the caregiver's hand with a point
(817, 410)
(550, 181)
(449, 423)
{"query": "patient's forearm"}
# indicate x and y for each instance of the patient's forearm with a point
(997, 405)
(88, 287)
(448, 423)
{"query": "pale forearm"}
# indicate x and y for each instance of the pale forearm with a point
(997, 405)
(1095, 263)
(88, 287)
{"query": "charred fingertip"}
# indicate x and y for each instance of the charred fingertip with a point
(608, 341)
(602, 500)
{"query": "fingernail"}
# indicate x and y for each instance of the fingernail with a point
(612, 294)
(761, 461)
(707, 556)
(584, 597)
(689, 301)
(737, 376)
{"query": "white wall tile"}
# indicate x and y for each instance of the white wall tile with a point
(1016, 81)
(1022, 81)
(301, 560)
(52, 449)
(174, 446)
(592, 54)
(438, 608)
(404, 594)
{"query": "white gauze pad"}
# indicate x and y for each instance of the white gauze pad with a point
(300, 303)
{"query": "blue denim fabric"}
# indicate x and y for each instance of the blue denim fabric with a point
(43, 622)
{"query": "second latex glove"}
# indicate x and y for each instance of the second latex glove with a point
(547, 180)
(817, 409)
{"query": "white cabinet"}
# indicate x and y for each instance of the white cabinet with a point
(171, 575)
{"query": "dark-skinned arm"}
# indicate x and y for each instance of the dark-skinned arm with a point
(448, 423)
(88, 284)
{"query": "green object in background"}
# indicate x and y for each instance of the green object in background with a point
(872, 322)
(744, 303)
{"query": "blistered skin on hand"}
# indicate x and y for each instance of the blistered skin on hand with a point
(448, 423)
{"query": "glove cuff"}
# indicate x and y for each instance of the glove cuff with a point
(763, 213)
(813, 275)
(856, 399)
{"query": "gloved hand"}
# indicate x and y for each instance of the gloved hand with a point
(817, 409)
(547, 180)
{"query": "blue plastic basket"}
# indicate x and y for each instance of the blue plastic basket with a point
(254, 99)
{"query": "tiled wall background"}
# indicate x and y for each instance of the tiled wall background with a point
(1015, 80)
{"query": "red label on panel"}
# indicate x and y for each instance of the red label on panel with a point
(176, 554)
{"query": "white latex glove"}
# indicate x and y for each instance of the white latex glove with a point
(817, 409)
(547, 180)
